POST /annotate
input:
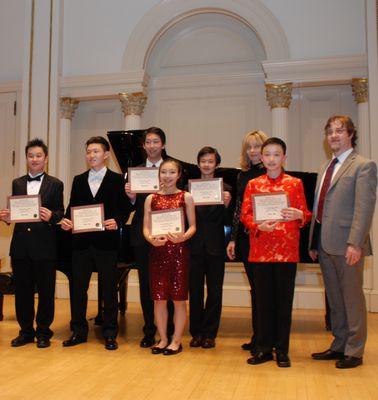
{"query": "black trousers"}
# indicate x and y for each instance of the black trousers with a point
(243, 253)
(105, 261)
(205, 317)
(30, 275)
(142, 260)
(274, 285)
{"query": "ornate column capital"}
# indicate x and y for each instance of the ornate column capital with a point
(133, 103)
(68, 105)
(360, 89)
(278, 95)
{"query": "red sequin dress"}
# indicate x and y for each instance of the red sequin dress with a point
(169, 264)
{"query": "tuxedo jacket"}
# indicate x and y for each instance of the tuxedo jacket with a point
(116, 205)
(348, 206)
(37, 240)
(136, 237)
(210, 222)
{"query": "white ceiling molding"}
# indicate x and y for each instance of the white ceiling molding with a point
(205, 80)
(168, 13)
(321, 70)
(104, 85)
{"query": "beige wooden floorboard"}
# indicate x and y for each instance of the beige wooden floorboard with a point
(88, 371)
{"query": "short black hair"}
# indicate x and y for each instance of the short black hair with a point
(156, 131)
(98, 140)
(36, 143)
(274, 140)
(209, 150)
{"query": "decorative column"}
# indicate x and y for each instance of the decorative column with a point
(132, 107)
(279, 99)
(68, 106)
(361, 96)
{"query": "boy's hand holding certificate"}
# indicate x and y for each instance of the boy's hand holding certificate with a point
(144, 179)
(269, 206)
(206, 191)
(88, 218)
(24, 208)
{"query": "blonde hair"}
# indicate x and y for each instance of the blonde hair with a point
(259, 136)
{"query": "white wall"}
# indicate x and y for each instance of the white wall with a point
(12, 22)
(321, 28)
(96, 31)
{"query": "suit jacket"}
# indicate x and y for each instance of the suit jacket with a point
(210, 222)
(116, 205)
(136, 234)
(38, 239)
(348, 206)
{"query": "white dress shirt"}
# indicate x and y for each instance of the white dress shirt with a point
(340, 160)
(33, 187)
(95, 179)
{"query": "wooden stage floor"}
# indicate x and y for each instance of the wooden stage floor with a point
(88, 371)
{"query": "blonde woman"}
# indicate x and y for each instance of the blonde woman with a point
(251, 167)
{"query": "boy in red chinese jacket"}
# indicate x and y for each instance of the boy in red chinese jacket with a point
(274, 252)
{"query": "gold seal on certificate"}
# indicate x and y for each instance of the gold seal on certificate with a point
(24, 208)
(144, 179)
(268, 206)
(206, 192)
(167, 221)
(88, 218)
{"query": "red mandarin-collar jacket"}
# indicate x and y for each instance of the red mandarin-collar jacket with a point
(282, 244)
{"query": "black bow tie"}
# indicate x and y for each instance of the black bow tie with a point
(36, 178)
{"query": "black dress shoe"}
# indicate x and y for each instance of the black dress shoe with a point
(196, 341)
(328, 355)
(208, 343)
(247, 346)
(171, 352)
(74, 340)
(283, 360)
(111, 343)
(260, 358)
(43, 342)
(21, 340)
(349, 362)
(147, 341)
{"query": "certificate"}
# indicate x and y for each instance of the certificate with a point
(165, 221)
(206, 191)
(24, 208)
(267, 207)
(144, 180)
(88, 218)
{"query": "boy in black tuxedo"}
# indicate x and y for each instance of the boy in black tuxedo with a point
(33, 248)
(100, 249)
(207, 259)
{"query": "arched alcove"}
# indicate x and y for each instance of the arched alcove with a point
(162, 17)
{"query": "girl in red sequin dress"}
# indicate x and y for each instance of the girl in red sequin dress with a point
(169, 257)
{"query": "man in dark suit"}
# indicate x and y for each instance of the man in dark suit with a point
(154, 145)
(207, 259)
(339, 236)
(99, 185)
(33, 248)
